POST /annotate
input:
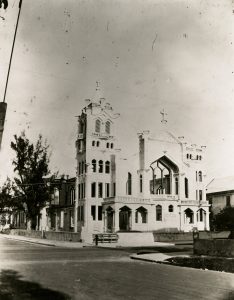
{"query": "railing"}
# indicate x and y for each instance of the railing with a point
(127, 199)
(164, 197)
(193, 202)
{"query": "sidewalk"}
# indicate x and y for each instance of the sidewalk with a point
(45, 242)
(154, 257)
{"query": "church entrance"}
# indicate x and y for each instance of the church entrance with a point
(124, 218)
(110, 214)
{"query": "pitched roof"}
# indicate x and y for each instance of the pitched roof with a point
(220, 185)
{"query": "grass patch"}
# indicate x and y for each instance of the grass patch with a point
(204, 262)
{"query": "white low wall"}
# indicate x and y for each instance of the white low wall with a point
(135, 239)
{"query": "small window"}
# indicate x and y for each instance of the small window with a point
(99, 213)
(176, 185)
(141, 183)
(93, 143)
(200, 195)
(97, 125)
(94, 165)
(93, 189)
(79, 169)
(72, 196)
(129, 184)
(228, 201)
(93, 212)
(100, 164)
(98, 143)
(107, 127)
(170, 208)
(107, 190)
(158, 213)
(186, 187)
(112, 145)
(107, 145)
(200, 176)
(107, 167)
(190, 156)
(113, 189)
(100, 190)
(187, 156)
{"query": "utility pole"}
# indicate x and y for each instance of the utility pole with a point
(3, 104)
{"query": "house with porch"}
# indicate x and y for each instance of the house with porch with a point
(161, 188)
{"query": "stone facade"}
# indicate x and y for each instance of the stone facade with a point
(160, 189)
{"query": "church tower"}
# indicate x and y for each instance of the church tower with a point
(96, 156)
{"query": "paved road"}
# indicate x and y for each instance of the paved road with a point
(29, 271)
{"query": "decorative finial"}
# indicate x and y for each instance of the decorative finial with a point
(163, 113)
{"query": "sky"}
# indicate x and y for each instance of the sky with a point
(148, 55)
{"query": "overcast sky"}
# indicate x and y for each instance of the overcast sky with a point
(147, 55)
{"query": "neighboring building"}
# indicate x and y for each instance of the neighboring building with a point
(58, 215)
(220, 193)
(160, 188)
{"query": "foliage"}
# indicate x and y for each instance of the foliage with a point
(224, 220)
(6, 198)
(31, 165)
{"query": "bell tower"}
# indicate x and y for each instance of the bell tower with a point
(96, 159)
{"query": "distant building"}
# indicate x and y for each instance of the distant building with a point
(220, 193)
(160, 188)
(58, 215)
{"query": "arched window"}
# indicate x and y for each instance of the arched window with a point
(98, 143)
(98, 125)
(107, 145)
(82, 167)
(129, 184)
(186, 190)
(107, 127)
(111, 145)
(141, 183)
(94, 165)
(107, 167)
(187, 155)
(158, 213)
(170, 208)
(93, 143)
(200, 176)
(190, 156)
(100, 164)
(189, 216)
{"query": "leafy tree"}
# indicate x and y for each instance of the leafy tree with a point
(31, 165)
(224, 220)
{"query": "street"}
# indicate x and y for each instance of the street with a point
(31, 271)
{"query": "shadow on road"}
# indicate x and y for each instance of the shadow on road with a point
(12, 287)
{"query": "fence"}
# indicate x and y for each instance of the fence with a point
(50, 235)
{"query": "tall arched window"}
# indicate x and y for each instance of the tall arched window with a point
(98, 125)
(186, 190)
(200, 176)
(93, 143)
(107, 167)
(111, 145)
(158, 213)
(94, 165)
(141, 183)
(129, 184)
(100, 164)
(107, 127)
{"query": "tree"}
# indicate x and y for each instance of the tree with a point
(224, 220)
(31, 165)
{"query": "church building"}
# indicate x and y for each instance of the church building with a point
(160, 189)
